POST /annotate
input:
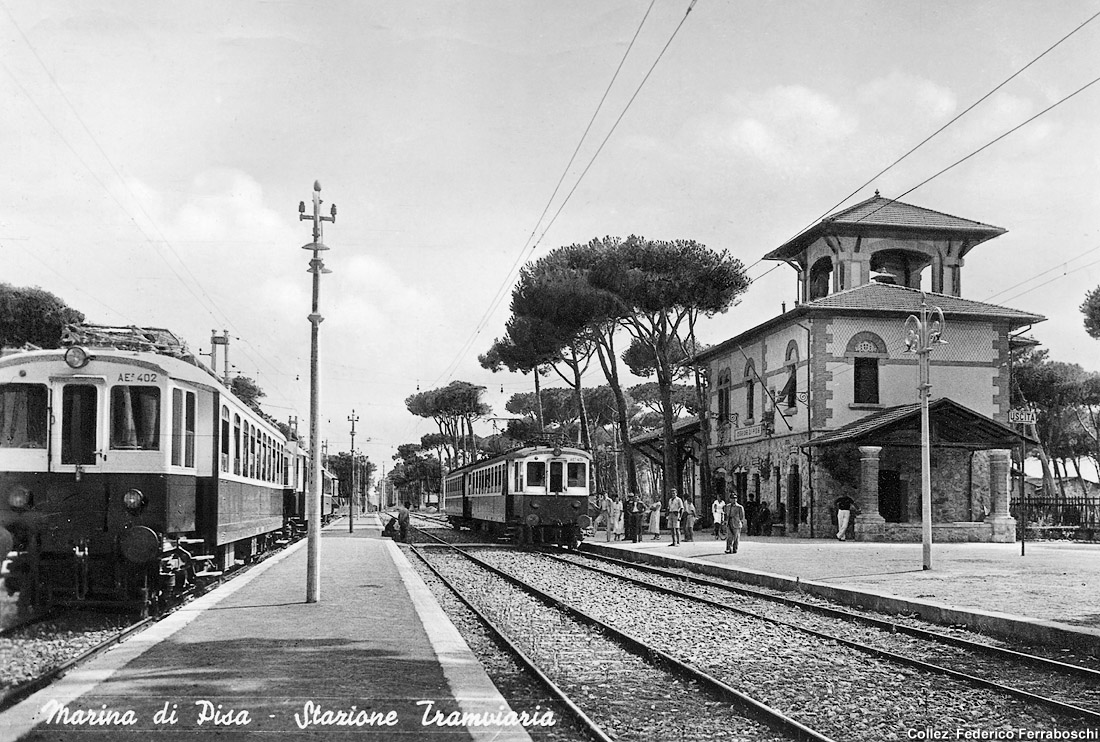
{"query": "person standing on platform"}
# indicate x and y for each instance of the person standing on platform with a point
(843, 516)
(718, 512)
(764, 516)
(689, 520)
(634, 512)
(628, 513)
(655, 519)
(675, 510)
(403, 520)
(735, 518)
(617, 518)
(605, 514)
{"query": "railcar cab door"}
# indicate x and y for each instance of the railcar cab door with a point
(77, 441)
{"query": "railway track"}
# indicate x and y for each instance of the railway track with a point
(880, 680)
(615, 685)
(1063, 687)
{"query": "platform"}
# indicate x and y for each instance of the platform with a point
(1050, 593)
(253, 660)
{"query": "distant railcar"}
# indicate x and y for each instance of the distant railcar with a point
(537, 493)
(129, 472)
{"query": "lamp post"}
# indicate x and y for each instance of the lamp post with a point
(922, 334)
(352, 418)
(317, 268)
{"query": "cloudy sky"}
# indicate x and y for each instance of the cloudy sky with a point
(154, 155)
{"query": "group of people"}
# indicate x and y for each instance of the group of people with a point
(624, 520)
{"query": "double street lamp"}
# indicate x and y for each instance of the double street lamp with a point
(922, 334)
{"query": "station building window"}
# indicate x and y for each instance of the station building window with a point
(750, 390)
(865, 349)
(724, 396)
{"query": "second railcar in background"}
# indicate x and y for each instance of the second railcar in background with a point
(537, 493)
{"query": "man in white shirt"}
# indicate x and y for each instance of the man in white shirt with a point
(675, 510)
(718, 511)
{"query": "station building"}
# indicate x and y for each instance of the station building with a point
(821, 402)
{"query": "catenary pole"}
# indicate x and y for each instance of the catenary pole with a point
(923, 333)
(352, 418)
(317, 268)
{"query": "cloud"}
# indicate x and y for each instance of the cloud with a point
(790, 128)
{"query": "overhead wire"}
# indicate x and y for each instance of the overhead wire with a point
(208, 304)
(525, 251)
(940, 130)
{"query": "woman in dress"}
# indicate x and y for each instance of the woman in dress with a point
(617, 518)
(655, 519)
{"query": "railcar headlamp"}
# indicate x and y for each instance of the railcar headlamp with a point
(19, 497)
(133, 500)
(77, 357)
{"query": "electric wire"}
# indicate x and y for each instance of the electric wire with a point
(938, 131)
(503, 290)
(205, 300)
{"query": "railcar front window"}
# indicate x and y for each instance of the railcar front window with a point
(135, 418)
(536, 474)
(556, 479)
(23, 415)
(78, 424)
(575, 475)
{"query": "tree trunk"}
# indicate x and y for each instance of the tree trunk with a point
(702, 401)
(668, 450)
(586, 439)
(538, 402)
(605, 351)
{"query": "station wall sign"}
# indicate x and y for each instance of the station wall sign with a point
(1022, 416)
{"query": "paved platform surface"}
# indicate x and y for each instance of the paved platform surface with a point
(1053, 582)
(253, 660)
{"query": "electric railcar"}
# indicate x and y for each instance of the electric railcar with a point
(129, 472)
(537, 493)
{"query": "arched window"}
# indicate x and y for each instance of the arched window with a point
(821, 275)
(789, 393)
(724, 384)
(225, 439)
(865, 349)
(236, 444)
(750, 390)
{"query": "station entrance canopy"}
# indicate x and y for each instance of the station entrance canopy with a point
(950, 425)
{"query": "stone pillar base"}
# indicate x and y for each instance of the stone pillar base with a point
(1004, 529)
(870, 527)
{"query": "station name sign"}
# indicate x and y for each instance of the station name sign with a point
(747, 432)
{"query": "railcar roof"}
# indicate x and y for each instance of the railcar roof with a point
(517, 453)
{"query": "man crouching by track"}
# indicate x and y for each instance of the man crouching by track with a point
(735, 518)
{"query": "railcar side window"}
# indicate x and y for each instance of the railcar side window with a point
(536, 474)
(575, 475)
(225, 439)
(183, 428)
(23, 415)
(236, 444)
(556, 479)
(135, 418)
(78, 424)
(189, 431)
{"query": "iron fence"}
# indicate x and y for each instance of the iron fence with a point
(1068, 512)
